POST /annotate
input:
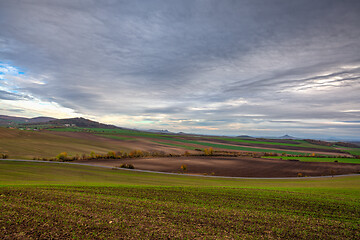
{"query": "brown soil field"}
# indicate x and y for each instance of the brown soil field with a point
(233, 166)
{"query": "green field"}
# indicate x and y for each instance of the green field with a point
(176, 145)
(231, 147)
(53, 200)
(124, 133)
(29, 144)
(325, 159)
(296, 143)
(109, 131)
(353, 151)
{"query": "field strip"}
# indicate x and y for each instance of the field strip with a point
(178, 174)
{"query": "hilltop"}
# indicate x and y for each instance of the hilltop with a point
(80, 122)
(11, 120)
(46, 122)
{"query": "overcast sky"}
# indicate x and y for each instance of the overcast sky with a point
(257, 67)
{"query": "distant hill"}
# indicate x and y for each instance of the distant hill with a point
(287, 137)
(40, 119)
(244, 136)
(11, 120)
(74, 122)
(80, 122)
(158, 131)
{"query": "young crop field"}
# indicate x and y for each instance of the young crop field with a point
(53, 200)
(231, 147)
(176, 145)
(353, 151)
(28, 144)
(296, 143)
(109, 131)
(319, 159)
(124, 133)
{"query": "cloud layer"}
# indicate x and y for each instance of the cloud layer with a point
(224, 67)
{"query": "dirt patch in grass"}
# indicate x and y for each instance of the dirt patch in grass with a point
(233, 166)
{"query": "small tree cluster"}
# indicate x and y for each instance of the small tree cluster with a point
(4, 156)
(183, 168)
(62, 156)
(112, 155)
(209, 151)
(126, 165)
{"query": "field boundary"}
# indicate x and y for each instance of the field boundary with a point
(179, 174)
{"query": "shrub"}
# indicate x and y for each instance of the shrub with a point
(119, 154)
(62, 156)
(111, 154)
(4, 156)
(125, 165)
(136, 153)
(209, 151)
(92, 155)
(184, 167)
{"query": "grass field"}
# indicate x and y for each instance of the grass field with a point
(46, 144)
(176, 145)
(125, 133)
(231, 147)
(325, 159)
(29, 144)
(53, 200)
(353, 151)
(296, 143)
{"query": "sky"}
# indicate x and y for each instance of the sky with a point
(231, 67)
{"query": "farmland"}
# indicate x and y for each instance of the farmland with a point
(30, 144)
(319, 159)
(180, 120)
(299, 147)
(59, 200)
(234, 156)
(52, 200)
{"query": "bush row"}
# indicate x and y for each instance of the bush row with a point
(140, 154)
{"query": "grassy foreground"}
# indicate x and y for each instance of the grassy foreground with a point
(53, 200)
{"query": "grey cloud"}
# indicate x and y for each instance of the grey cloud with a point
(15, 110)
(149, 58)
(9, 96)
